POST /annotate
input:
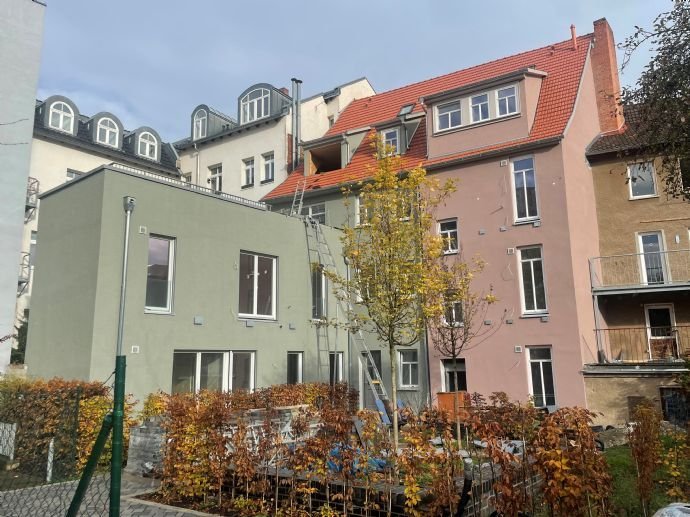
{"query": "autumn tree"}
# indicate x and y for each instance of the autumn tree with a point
(462, 324)
(395, 258)
(661, 95)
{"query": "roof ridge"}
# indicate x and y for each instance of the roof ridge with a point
(485, 63)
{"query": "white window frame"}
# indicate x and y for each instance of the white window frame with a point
(200, 124)
(300, 366)
(324, 292)
(252, 371)
(108, 131)
(339, 365)
(498, 99)
(631, 196)
(150, 144)
(385, 140)
(255, 287)
(488, 107)
(358, 213)
(63, 115)
(401, 367)
(215, 178)
(535, 311)
(663, 257)
(461, 363)
(446, 234)
(310, 210)
(248, 165)
(541, 370)
(263, 101)
(437, 117)
(650, 338)
(457, 322)
(171, 276)
(187, 177)
(269, 164)
(527, 218)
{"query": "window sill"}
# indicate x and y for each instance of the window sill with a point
(529, 315)
(264, 182)
(652, 196)
(243, 187)
(522, 222)
(408, 388)
(254, 317)
(453, 252)
(159, 312)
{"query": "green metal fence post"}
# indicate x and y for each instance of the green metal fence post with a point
(118, 432)
(91, 464)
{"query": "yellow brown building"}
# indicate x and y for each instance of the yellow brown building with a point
(640, 282)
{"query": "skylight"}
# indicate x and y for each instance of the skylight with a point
(406, 110)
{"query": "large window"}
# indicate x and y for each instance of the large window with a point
(541, 376)
(148, 145)
(316, 212)
(653, 258)
(454, 375)
(248, 177)
(257, 285)
(294, 367)
(409, 368)
(107, 132)
(200, 124)
(255, 105)
(641, 179)
(269, 168)
(61, 117)
(506, 99)
(525, 185)
(448, 116)
(215, 178)
(389, 138)
(448, 230)
(217, 371)
(532, 275)
(318, 294)
(480, 107)
(335, 367)
(160, 273)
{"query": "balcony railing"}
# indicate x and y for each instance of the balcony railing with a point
(643, 344)
(641, 270)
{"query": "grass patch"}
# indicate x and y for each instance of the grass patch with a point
(625, 499)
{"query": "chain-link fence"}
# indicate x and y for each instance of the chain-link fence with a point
(40, 457)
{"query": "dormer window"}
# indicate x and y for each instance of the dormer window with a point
(389, 138)
(148, 145)
(61, 117)
(107, 131)
(200, 124)
(480, 107)
(507, 101)
(255, 105)
(448, 116)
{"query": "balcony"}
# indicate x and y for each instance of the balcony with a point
(24, 272)
(651, 271)
(637, 345)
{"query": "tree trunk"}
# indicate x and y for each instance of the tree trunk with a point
(394, 395)
(456, 402)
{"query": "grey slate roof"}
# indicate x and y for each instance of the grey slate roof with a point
(618, 141)
(168, 160)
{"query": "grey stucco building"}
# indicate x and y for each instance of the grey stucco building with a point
(21, 34)
(219, 295)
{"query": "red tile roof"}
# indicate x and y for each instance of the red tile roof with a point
(563, 65)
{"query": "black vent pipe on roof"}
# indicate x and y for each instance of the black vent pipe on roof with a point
(297, 120)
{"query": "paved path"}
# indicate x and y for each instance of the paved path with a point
(53, 500)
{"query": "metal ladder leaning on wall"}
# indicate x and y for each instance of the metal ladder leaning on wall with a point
(320, 251)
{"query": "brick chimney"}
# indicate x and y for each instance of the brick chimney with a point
(284, 91)
(606, 82)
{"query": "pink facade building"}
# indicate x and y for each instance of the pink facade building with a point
(513, 133)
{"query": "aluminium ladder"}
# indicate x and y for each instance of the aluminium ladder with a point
(298, 198)
(325, 260)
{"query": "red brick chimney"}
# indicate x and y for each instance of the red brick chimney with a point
(284, 90)
(606, 82)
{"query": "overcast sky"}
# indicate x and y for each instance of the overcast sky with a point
(150, 62)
